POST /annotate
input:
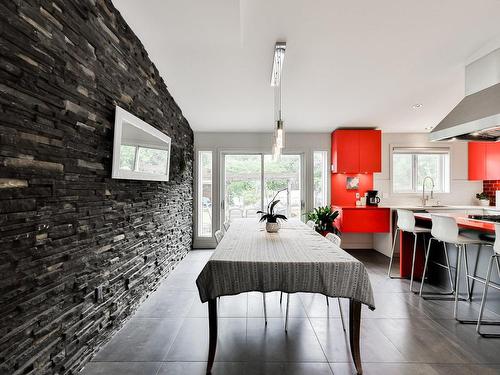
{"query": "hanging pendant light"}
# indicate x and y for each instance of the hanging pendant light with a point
(279, 130)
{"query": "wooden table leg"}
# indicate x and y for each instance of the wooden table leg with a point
(212, 324)
(354, 325)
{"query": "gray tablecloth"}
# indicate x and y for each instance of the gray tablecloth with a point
(296, 259)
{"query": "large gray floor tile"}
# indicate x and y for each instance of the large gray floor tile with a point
(270, 343)
(466, 369)
(375, 347)
(191, 344)
(141, 339)
(199, 368)
(297, 368)
(167, 304)
(121, 368)
(421, 340)
(384, 369)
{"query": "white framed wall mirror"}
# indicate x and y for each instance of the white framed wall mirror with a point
(140, 151)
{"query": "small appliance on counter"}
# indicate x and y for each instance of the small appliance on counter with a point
(371, 198)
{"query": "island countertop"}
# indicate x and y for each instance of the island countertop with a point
(463, 222)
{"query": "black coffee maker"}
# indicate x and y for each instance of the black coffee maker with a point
(371, 198)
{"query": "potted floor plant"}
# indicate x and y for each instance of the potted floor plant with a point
(483, 198)
(324, 218)
(270, 217)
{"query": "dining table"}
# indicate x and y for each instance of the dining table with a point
(295, 259)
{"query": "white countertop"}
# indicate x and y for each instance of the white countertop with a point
(443, 207)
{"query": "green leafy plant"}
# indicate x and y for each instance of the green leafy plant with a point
(269, 215)
(324, 218)
(482, 196)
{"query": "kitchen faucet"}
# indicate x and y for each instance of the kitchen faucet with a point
(424, 200)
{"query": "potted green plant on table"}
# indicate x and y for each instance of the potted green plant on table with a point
(483, 198)
(324, 218)
(270, 217)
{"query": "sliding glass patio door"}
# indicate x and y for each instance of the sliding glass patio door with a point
(250, 181)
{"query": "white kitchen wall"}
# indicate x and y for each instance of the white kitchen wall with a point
(462, 191)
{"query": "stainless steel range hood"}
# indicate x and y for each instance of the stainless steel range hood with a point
(477, 116)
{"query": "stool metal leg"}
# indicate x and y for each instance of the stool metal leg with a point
(457, 281)
(392, 252)
(413, 261)
(425, 266)
(449, 268)
(466, 263)
(483, 300)
(265, 307)
(327, 302)
(436, 295)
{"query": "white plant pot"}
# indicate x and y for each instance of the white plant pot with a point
(272, 227)
(484, 202)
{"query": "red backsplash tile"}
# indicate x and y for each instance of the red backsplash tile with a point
(490, 187)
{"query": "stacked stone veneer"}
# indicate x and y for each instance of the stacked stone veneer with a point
(78, 250)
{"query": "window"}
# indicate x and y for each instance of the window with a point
(411, 165)
(320, 173)
(143, 159)
(205, 194)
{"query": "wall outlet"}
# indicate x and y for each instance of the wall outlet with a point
(357, 195)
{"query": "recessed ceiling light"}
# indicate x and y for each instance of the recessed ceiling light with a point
(429, 127)
(417, 106)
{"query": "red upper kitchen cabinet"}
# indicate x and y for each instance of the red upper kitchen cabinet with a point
(484, 160)
(477, 161)
(345, 151)
(356, 151)
(370, 147)
(493, 161)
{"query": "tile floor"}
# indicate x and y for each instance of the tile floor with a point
(405, 334)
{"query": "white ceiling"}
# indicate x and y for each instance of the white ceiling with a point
(348, 63)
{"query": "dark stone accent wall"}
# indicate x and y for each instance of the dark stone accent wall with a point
(78, 250)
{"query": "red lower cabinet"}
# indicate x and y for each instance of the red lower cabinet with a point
(364, 220)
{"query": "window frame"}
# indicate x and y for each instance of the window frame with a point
(199, 194)
(325, 170)
(421, 151)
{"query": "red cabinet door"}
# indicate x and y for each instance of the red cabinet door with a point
(345, 151)
(477, 160)
(493, 161)
(370, 147)
(365, 220)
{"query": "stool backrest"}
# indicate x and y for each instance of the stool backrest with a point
(406, 220)
(496, 245)
(311, 224)
(444, 228)
(218, 236)
(334, 238)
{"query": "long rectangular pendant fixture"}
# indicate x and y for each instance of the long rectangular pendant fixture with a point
(276, 75)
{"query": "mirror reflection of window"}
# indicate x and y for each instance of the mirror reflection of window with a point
(127, 157)
(152, 160)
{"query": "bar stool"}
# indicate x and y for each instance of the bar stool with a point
(406, 223)
(445, 230)
(495, 257)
